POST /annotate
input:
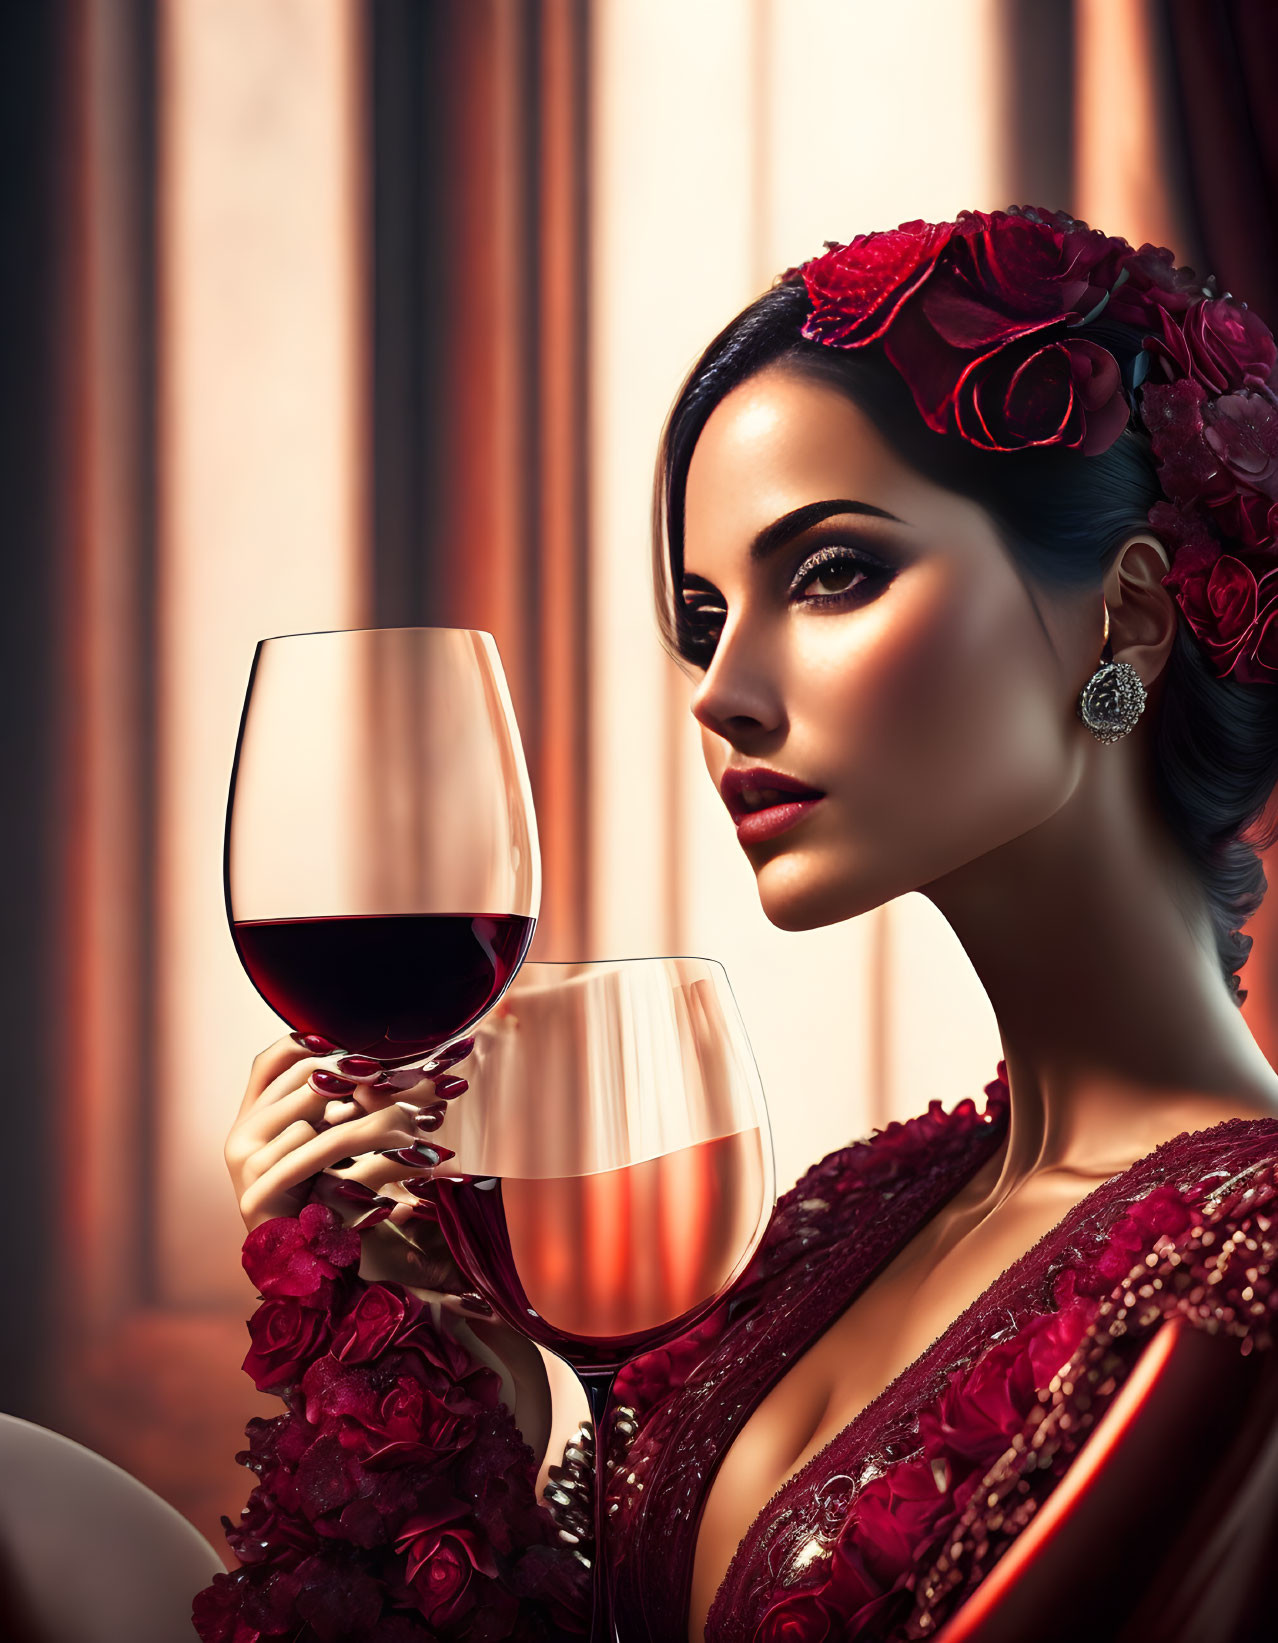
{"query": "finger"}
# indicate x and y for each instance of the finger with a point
(303, 1157)
(288, 1184)
(382, 1171)
(268, 1066)
(267, 1122)
(281, 1146)
(295, 1121)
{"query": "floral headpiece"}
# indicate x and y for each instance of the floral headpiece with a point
(983, 318)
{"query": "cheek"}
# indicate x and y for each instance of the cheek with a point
(945, 712)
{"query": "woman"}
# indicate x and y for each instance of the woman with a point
(964, 532)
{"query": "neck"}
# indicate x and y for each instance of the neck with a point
(1091, 936)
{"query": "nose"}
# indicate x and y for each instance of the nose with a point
(739, 695)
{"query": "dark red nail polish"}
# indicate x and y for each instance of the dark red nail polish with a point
(330, 1084)
(421, 1211)
(475, 1303)
(342, 1163)
(430, 1118)
(359, 1066)
(447, 1086)
(313, 1042)
(354, 1192)
(452, 1055)
(421, 1152)
(385, 1086)
(377, 1213)
(419, 1183)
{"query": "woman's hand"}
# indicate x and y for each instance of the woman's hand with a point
(300, 1116)
(288, 1130)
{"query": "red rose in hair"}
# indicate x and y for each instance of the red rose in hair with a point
(1153, 283)
(857, 289)
(957, 309)
(1032, 264)
(444, 1550)
(1189, 470)
(1218, 342)
(302, 1255)
(1231, 604)
(1057, 393)
(286, 1336)
(1242, 431)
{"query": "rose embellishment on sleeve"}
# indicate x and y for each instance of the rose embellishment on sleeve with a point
(985, 320)
(395, 1497)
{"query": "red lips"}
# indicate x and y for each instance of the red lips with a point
(736, 780)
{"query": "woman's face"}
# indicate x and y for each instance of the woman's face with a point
(886, 653)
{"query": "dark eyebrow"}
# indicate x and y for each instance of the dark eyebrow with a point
(798, 520)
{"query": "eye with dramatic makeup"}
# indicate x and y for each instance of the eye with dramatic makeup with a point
(853, 575)
(831, 577)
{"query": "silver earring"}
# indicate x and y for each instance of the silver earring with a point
(1112, 700)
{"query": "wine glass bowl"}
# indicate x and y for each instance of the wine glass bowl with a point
(614, 1169)
(381, 866)
(616, 1160)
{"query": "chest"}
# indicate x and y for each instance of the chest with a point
(942, 1270)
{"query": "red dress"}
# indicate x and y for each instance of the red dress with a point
(899, 1519)
(883, 1534)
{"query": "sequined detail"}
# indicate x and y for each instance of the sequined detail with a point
(1216, 1275)
(568, 1494)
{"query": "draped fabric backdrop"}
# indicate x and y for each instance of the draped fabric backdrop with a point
(323, 314)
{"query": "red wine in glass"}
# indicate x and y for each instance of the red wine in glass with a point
(381, 867)
(393, 987)
(601, 1267)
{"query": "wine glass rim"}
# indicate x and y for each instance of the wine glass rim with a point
(330, 633)
(632, 958)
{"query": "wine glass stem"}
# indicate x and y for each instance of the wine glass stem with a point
(598, 1388)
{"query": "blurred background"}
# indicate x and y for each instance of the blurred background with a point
(323, 314)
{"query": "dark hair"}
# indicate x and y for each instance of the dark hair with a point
(1063, 518)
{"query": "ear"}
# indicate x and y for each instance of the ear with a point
(1142, 612)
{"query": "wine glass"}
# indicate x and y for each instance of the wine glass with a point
(381, 867)
(614, 1168)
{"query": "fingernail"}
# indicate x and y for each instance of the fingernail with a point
(328, 1083)
(354, 1192)
(475, 1303)
(447, 1086)
(359, 1066)
(421, 1152)
(342, 1163)
(452, 1055)
(376, 1213)
(430, 1118)
(313, 1042)
(421, 1211)
(419, 1183)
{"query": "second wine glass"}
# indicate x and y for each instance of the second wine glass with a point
(614, 1169)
